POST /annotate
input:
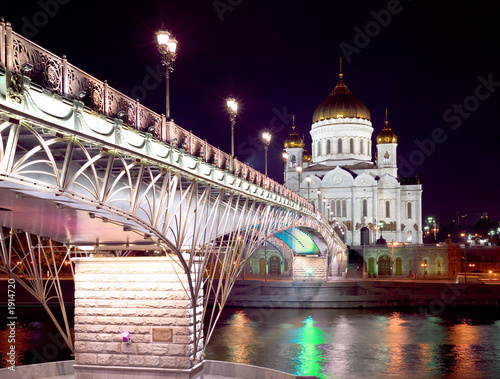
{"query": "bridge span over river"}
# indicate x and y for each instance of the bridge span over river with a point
(148, 213)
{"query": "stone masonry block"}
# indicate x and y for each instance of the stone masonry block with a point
(137, 360)
(168, 362)
(152, 321)
(88, 320)
(82, 336)
(143, 348)
(94, 328)
(133, 329)
(184, 322)
(80, 328)
(106, 337)
(84, 303)
(111, 311)
(126, 312)
(152, 361)
(178, 350)
(181, 330)
(95, 347)
(113, 347)
(104, 359)
(85, 359)
(162, 312)
(137, 321)
(144, 312)
(161, 348)
(182, 362)
(119, 360)
(80, 346)
(182, 304)
(114, 329)
(182, 339)
(114, 320)
(179, 313)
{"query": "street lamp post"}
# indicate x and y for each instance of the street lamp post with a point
(167, 46)
(465, 255)
(299, 171)
(324, 206)
(308, 180)
(328, 212)
(285, 160)
(424, 266)
(392, 254)
(232, 109)
(266, 137)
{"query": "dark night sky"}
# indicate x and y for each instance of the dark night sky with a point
(281, 57)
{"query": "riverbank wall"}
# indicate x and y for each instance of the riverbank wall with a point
(362, 294)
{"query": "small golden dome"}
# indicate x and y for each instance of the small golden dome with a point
(294, 140)
(306, 157)
(341, 103)
(386, 135)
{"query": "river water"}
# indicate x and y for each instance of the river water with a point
(328, 343)
(368, 343)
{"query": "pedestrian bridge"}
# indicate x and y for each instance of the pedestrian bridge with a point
(91, 170)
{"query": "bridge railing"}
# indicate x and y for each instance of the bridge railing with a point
(20, 55)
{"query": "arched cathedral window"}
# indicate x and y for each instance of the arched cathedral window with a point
(386, 157)
(328, 147)
(365, 208)
(351, 145)
(344, 208)
(409, 210)
(339, 146)
(387, 209)
(319, 148)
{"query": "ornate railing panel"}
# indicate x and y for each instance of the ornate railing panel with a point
(61, 77)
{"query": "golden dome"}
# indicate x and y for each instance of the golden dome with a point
(341, 103)
(386, 135)
(306, 157)
(294, 140)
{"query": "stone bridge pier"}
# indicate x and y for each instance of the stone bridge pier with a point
(145, 298)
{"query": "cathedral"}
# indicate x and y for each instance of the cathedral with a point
(364, 199)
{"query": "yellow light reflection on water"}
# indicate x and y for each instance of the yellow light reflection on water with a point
(242, 334)
(463, 336)
(399, 337)
(310, 359)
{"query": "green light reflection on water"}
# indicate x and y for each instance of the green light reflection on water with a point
(310, 359)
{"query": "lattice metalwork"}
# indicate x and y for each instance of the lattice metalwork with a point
(38, 265)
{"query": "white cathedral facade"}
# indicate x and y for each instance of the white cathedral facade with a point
(364, 199)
